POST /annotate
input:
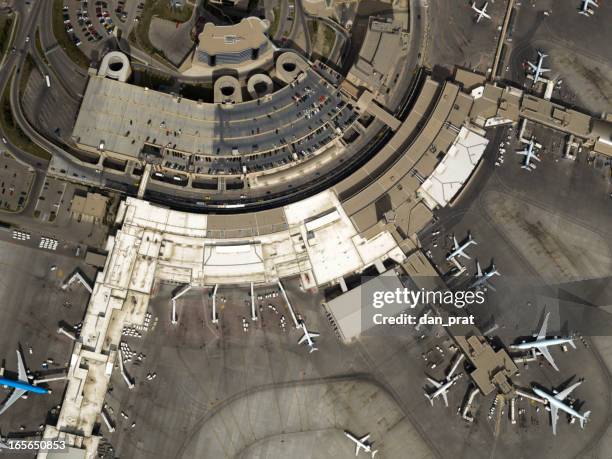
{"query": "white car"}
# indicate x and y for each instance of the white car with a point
(27, 38)
(4, 140)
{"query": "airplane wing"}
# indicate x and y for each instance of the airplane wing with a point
(533, 66)
(314, 335)
(542, 333)
(445, 398)
(303, 338)
(564, 393)
(16, 395)
(455, 244)
(21, 370)
(479, 269)
(357, 450)
(544, 351)
(490, 287)
(434, 383)
(554, 416)
(364, 438)
(463, 254)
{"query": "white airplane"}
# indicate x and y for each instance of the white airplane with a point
(537, 69)
(541, 343)
(585, 10)
(460, 250)
(441, 388)
(483, 278)
(362, 443)
(482, 13)
(308, 337)
(555, 401)
(529, 154)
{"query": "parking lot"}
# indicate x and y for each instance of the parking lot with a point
(15, 183)
(89, 22)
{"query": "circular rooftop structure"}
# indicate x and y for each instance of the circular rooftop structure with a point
(115, 65)
(227, 90)
(289, 65)
(260, 85)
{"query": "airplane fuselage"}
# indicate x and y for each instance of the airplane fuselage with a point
(444, 387)
(542, 343)
(559, 404)
(23, 386)
(483, 279)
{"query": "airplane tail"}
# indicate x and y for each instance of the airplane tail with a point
(584, 419)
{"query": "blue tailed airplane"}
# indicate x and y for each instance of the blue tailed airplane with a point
(21, 385)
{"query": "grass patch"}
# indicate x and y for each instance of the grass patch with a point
(6, 25)
(313, 28)
(329, 38)
(26, 71)
(161, 9)
(13, 131)
(39, 47)
(275, 21)
(64, 40)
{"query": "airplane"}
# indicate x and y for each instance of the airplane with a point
(362, 443)
(441, 388)
(483, 278)
(537, 69)
(555, 401)
(584, 9)
(21, 385)
(308, 337)
(529, 154)
(459, 250)
(541, 343)
(482, 13)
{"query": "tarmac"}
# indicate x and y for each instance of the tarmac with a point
(577, 46)
(33, 304)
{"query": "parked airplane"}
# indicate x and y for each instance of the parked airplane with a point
(529, 154)
(21, 385)
(482, 279)
(585, 10)
(362, 443)
(541, 343)
(441, 388)
(308, 337)
(482, 13)
(556, 403)
(460, 250)
(537, 69)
